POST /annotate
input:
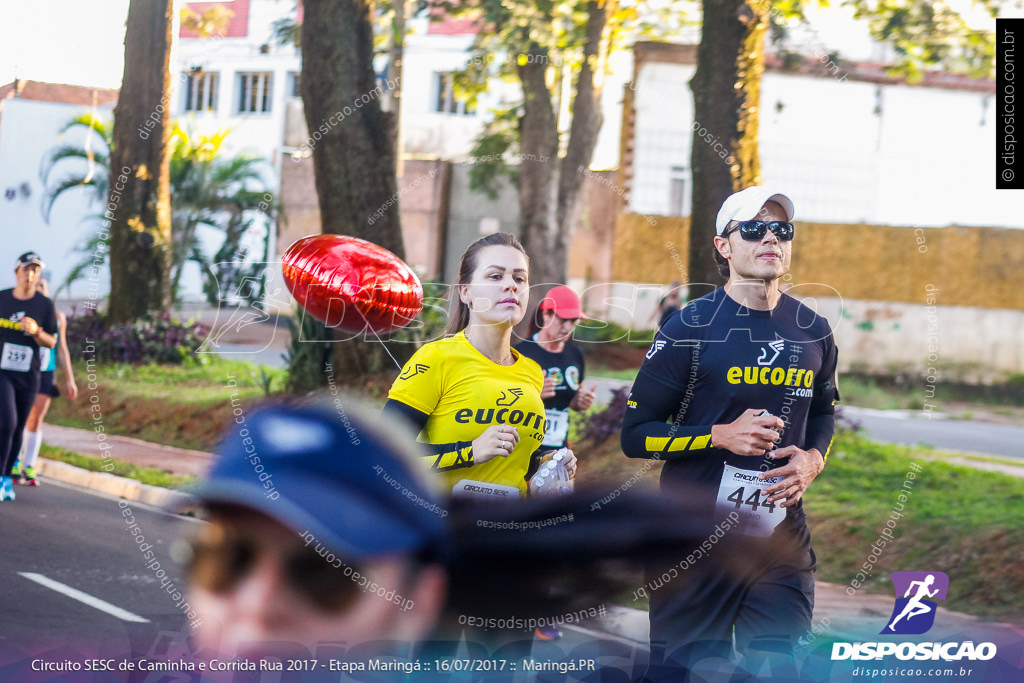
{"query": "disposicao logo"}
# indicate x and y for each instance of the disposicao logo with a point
(914, 612)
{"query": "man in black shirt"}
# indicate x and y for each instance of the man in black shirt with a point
(28, 320)
(736, 395)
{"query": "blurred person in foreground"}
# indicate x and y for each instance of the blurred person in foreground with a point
(326, 530)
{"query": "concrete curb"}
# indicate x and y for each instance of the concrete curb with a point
(121, 487)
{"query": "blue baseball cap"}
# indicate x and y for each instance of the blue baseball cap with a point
(335, 472)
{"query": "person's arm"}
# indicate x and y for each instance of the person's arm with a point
(805, 464)
(495, 441)
(65, 356)
(444, 456)
(584, 398)
(41, 337)
(645, 434)
(821, 418)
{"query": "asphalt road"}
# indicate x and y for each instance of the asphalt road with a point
(907, 427)
(897, 426)
(58, 540)
(76, 586)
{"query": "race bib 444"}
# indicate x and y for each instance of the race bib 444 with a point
(741, 491)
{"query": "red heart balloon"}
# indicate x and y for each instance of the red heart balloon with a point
(349, 283)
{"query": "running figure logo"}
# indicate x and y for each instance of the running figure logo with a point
(914, 613)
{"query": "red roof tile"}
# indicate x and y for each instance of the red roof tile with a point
(58, 92)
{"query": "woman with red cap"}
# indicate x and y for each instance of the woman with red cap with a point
(562, 362)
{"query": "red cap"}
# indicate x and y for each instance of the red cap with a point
(564, 302)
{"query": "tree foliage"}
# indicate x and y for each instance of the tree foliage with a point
(207, 191)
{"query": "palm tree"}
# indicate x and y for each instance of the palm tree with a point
(95, 152)
(206, 190)
(224, 194)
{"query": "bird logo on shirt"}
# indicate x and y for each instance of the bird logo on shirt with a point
(775, 346)
(413, 370)
(515, 394)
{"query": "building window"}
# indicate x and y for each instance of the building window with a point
(446, 100)
(254, 93)
(677, 198)
(293, 85)
(200, 91)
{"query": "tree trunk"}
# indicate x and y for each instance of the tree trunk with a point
(353, 157)
(139, 205)
(538, 172)
(586, 124)
(726, 98)
(353, 160)
(549, 187)
(396, 52)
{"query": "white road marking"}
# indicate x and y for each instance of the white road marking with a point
(91, 601)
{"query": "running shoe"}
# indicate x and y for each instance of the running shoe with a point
(16, 470)
(29, 477)
(6, 489)
(548, 633)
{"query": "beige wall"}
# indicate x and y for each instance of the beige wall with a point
(942, 303)
(972, 266)
(421, 194)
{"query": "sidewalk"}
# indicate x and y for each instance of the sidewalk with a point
(837, 615)
(177, 461)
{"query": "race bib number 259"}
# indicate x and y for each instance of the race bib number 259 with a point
(16, 357)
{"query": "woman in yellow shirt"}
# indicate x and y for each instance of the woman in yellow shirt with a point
(476, 400)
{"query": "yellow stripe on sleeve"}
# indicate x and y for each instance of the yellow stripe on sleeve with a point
(700, 442)
(656, 444)
(679, 443)
(453, 460)
(824, 458)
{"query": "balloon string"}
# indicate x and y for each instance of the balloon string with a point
(370, 327)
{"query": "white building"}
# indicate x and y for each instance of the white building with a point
(32, 115)
(848, 143)
(245, 81)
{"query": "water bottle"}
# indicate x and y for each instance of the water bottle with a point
(560, 460)
(552, 477)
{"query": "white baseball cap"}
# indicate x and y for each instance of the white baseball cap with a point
(745, 205)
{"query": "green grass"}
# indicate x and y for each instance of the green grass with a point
(956, 519)
(145, 475)
(186, 406)
(865, 392)
(887, 393)
(176, 381)
(941, 454)
(602, 371)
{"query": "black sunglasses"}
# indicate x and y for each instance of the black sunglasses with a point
(755, 230)
(218, 564)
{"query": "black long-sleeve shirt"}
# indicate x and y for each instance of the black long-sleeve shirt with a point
(712, 362)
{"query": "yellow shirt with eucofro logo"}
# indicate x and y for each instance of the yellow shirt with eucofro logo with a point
(464, 393)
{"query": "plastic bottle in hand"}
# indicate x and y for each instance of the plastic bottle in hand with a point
(560, 460)
(552, 477)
